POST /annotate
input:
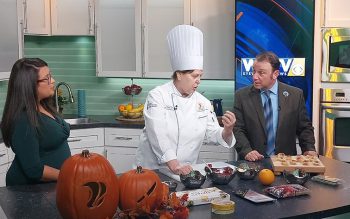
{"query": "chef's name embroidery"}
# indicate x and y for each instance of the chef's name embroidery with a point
(150, 105)
(200, 107)
(169, 107)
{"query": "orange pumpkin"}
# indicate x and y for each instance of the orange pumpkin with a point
(87, 187)
(141, 189)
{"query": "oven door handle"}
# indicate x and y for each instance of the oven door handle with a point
(335, 106)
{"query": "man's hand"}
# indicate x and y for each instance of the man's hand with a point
(177, 168)
(254, 156)
(312, 153)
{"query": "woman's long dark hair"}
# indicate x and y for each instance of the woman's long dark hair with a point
(22, 96)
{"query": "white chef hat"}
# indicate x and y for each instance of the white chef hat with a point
(185, 44)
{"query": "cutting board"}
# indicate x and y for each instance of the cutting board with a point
(309, 164)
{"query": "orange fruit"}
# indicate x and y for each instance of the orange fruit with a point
(121, 107)
(266, 177)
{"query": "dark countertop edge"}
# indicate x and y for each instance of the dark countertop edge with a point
(322, 214)
(106, 125)
(105, 121)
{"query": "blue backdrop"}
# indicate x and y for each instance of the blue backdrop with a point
(285, 27)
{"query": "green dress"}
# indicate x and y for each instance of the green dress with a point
(36, 147)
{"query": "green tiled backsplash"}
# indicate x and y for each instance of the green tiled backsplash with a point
(72, 60)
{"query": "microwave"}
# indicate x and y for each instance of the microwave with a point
(336, 55)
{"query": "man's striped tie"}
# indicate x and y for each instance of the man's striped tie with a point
(270, 150)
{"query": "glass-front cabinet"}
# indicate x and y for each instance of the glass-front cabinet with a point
(131, 36)
(11, 37)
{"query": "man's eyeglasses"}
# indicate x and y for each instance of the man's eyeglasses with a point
(47, 78)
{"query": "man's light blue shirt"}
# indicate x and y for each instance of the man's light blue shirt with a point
(274, 102)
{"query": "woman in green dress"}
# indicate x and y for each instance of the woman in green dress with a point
(31, 126)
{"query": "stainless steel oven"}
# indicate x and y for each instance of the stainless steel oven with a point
(335, 124)
(336, 54)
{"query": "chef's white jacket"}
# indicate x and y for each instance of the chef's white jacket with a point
(175, 127)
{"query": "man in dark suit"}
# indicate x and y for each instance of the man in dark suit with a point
(280, 105)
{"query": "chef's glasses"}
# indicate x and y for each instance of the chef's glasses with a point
(47, 78)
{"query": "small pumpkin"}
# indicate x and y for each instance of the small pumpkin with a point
(141, 189)
(87, 187)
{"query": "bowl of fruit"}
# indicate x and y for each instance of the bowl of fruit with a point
(133, 89)
(220, 176)
(131, 111)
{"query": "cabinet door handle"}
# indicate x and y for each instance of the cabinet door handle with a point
(89, 14)
(25, 16)
(143, 64)
(74, 140)
(123, 138)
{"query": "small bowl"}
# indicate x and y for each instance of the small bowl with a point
(193, 180)
(249, 173)
(297, 176)
(171, 184)
(220, 176)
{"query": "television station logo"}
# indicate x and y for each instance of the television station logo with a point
(290, 67)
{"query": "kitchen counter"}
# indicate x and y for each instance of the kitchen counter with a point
(98, 121)
(105, 121)
(39, 201)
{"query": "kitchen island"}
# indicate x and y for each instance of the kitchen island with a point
(39, 201)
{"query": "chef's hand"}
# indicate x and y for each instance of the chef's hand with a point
(177, 168)
(254, 156)
(229, 120)
(312, 153)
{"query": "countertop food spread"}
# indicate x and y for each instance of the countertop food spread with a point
(39, 201)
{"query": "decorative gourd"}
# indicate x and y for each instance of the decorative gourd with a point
(141, 189)
(87, 187)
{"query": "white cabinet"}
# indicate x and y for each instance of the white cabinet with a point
(58, 17)
(336, 13)
(10, 39)
(158, 18)
(212, 153)
(91, 139)
(131, 36)
(216, 19)
(121, 145)
(3, 164)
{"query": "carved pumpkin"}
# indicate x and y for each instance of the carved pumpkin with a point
(141, 188)
(87, 187)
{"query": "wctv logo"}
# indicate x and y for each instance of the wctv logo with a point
(291, 67)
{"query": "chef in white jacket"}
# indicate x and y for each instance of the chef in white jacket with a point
(177, 117)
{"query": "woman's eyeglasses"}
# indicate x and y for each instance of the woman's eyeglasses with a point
(47, 78)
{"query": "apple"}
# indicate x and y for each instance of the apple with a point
(136, 89)
(127, 90)
(134, 86)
